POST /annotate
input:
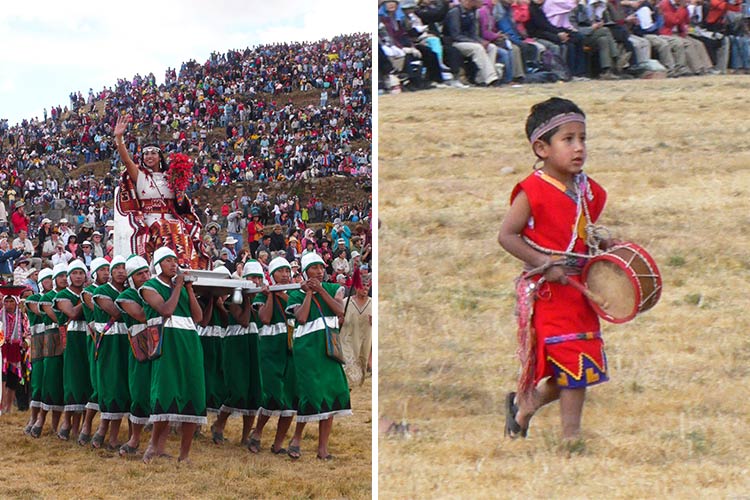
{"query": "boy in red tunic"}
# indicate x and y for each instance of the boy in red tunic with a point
(548, 226)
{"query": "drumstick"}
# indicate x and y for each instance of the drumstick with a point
(588, 293)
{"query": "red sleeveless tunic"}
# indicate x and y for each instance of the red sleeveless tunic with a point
(561, 311)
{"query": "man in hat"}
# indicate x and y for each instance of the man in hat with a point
(21, 270)
(111, 356)
(99, 272)
(50, 244)
(229, 245)
(76, 381)
(36, 326)
(212, 228)
(19, 220)
(65, 230)
(98, 246)
(7, 257)
(234, 228)
(23, 243)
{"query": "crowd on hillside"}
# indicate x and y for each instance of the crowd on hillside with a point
(440, 43)
(246, 94)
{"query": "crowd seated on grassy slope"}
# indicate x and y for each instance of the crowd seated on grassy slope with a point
(244, 115)
(457, 43)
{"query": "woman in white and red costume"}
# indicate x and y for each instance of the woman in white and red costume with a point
(149, 211)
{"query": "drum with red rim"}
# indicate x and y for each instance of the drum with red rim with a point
(624, 280)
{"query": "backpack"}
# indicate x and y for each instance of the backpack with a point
(554, 63)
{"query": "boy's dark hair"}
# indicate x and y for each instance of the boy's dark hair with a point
(544, 111)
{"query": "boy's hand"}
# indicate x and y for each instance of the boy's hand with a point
(556, 274)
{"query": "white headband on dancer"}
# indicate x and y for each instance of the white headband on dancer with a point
(554, 122)
(159, 255)
(59, 269)
(252, 268)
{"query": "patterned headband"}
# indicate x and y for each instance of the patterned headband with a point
(555, 122)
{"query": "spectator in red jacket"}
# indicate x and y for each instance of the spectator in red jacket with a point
(19, 220)
(676, 21)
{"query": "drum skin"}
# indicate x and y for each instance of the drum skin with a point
(626, 281)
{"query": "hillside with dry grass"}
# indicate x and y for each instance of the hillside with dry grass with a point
(672, 421)
(50, 468)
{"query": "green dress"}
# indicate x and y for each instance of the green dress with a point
(178, 386)
(276, 361)
(238, 358)
(212, 340)
(88, 316)
(321, 387)
(139, 372)
(53, 398)
(76, 379)
(36, 327)
(111, 359)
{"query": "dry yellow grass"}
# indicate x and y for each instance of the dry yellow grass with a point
(49, 468)
(672, 422)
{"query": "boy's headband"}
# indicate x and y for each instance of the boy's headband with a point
(555, 122)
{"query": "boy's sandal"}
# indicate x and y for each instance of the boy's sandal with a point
(217, 437)
(96, 441)
(293, 452)
(27, 429)
(513, 429)
(35, 431)
(327, 457)
(64, 434)
(280, 451)
(126, 450)
(84, 439)
(254, 445)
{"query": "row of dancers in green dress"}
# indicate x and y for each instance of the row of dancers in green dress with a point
(265, 357)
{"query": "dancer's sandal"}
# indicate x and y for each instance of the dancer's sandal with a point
(280, 451)
(513, 429)
(84, 439)
(64, 434)
(127, 450)
(293, 452)
(253, 445)
(35, 432)
(217, 437)
(97, 441)
(327, 457)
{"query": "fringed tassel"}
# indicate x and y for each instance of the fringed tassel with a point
(526, 338)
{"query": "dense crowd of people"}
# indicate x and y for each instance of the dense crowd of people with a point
(440, 43)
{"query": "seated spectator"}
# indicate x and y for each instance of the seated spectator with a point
(460, 31)
(598, 37)
(676, 22)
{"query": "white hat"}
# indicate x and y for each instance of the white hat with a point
(134, 264)
(46, 221)
(159, 255)
(230, 241)
(43, 275)
(96, 233)
(117, 260)
(73, 265)
(76, 264)
(223, 270)
(341, 241)
(355, 254)
(276, 264)
(61, 268)
(97, 264)
(63, 221)
(309, 259)
(252, 268)
(87, 242)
